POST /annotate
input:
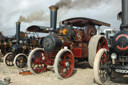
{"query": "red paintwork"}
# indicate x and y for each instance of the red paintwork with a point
(79, 35)
(37, 62)
(122, 35)
(102, 44)
(125, 48)
(103, 58)
(77, 52)
(81, 50)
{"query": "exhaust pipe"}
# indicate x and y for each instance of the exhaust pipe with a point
(124, 25)
(53, 16)
(17, 32)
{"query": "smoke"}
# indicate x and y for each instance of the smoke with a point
(65, 4)
(36, 16)
(79, 3)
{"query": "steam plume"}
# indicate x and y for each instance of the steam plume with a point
(36, 16)
(68, 4)
(78, 3)
(64, 3)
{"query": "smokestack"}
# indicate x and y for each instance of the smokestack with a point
(17, 32)
(53, 16)
(124, 24)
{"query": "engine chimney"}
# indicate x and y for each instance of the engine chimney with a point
(53, 16)
(17, 32)
(124, 25)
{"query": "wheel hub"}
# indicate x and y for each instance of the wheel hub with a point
(21, 61)
(67, 64)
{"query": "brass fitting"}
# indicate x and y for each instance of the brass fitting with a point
(53, 8)
(17, 22)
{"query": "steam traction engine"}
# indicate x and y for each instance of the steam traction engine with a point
(70, 41)
(114, 60)
(21, 48)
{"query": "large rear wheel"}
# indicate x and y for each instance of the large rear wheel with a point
(101, 72)
(64, 63)
(96, 43)
(37, 61)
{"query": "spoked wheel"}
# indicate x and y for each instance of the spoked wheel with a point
(8, 59)
(64, 63)
(20, 61)
(101, 72)
(37, 61)
(96, 43)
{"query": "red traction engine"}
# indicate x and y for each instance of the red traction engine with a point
(113, 62)
(70, 41)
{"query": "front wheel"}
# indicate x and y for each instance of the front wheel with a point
(8, 59)
(20, 61)
(100, 66)
(37, 61)
(64, 63)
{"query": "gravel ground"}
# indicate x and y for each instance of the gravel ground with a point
(82, 75)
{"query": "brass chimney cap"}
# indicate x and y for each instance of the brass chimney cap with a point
(54, 8)
(17, 22)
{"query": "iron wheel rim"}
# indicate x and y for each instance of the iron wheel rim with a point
(21, 61)
(9, 60)
(63, 69)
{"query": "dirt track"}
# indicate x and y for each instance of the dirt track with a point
(82, 75)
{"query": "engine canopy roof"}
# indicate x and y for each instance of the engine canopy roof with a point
(82, 21)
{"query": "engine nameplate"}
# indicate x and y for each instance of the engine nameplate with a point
(121, 71)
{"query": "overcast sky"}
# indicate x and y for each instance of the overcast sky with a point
(11, 10)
